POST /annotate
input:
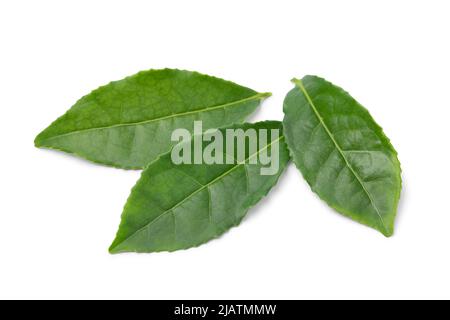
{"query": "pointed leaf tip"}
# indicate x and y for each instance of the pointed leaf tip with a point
(200, 202)
(101, 126)
(356, 173)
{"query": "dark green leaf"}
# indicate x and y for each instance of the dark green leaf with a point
(128, 123)
(176, 207)
(342, 153)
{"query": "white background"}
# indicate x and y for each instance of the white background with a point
(58, 214)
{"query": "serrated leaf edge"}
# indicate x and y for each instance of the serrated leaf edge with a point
(113, 246)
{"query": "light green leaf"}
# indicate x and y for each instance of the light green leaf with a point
(342, 153)
(175, 207)
(128, 123)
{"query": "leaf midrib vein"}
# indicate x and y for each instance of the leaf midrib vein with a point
(302, 88)
(181, 114)
(199, 190)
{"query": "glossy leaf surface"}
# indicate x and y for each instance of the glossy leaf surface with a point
(342, 153)
(176, 207)
(128, 123)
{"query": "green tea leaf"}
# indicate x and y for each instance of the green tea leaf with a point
(175, 207)
(342, 153)
(128, 123)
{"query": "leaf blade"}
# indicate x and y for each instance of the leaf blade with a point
(213, 199)
(359, 174)
(128, 123)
